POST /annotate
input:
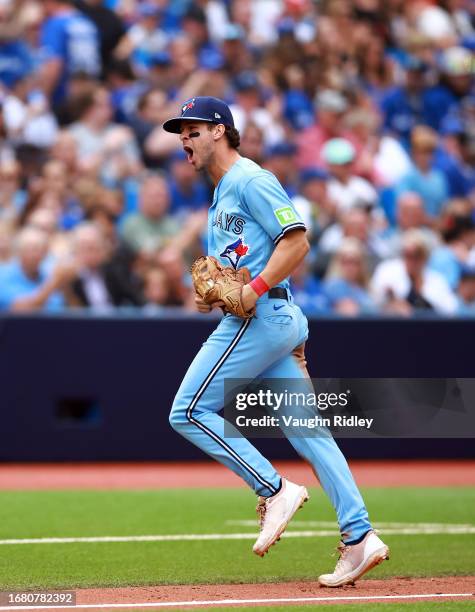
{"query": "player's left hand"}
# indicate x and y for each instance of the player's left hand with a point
(249, 298)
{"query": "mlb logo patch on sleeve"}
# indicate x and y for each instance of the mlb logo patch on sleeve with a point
(285, 215)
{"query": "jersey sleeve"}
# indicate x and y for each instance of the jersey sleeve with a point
(268, 203)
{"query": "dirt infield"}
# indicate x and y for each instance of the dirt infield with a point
(396, 589)
(208, 474)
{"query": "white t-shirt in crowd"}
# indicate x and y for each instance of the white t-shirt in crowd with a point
(355, 192)
(392, 275)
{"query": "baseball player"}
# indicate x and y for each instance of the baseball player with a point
(253, 224)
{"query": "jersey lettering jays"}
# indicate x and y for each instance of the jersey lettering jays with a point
(250, 214)
(230, 223)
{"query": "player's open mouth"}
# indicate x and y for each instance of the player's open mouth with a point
(189, 153)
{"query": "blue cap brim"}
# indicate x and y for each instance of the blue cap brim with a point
(174, 125)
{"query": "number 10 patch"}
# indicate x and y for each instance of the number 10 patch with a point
(285, 215)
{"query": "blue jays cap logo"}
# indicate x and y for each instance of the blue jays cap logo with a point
(234, 251)
(187, 106)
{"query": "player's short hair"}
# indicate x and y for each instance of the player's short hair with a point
(232, 135)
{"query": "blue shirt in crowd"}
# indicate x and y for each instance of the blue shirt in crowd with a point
(310, 296)
(14, 284)
(15, 62)
(338, 289)
(460, 177)
(444, 261)
(74, 39)
(181, 201)
(431, 186)
(403, 111)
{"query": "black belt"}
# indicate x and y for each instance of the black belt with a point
(278, 293)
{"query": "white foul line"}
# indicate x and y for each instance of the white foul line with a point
(376, 525)
(234, 602)
(190, 537)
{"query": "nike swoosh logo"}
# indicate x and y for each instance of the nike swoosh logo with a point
(278, 307)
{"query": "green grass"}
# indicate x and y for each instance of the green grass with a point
(101, 513)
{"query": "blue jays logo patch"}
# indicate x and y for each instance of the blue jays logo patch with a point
(234, 251)
(187, 106)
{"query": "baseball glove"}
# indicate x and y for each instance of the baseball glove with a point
(214, 282)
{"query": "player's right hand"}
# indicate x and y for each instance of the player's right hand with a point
(202, 306)
(205, 308)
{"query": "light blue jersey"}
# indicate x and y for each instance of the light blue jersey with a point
(249, 215)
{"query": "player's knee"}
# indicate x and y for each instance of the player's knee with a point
(177, 417)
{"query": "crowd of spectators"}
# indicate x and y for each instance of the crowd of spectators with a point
(363, 109)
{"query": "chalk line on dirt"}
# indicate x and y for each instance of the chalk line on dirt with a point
(237, 602)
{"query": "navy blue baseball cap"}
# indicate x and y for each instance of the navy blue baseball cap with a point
(202, 108)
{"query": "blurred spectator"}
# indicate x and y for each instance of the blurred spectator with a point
(423, 178)
(72, 43)
(12, 197)
(252, 143)
(280, 160)
(26, 282)
(331, 107)
(382, 159)
(236, 54)
(125, 89)
(97, 283)
(415, 102)
(308, 292)
(313, 203)
(6, 241)
(187, 193)
(151, 227)
(458, 233)
(344, 187)
(152, 109)
(27, 117)
(456, 157)
(103, 145)
(108, 24)
(172, 263)
(466, 291)
(65, 150)
(410, 214)
(15, 60)
(156, 288)
(145, 38)
(249, 106)
(457, 72)
(356, 223)
(405, 284)
(346, 284)
(195, 26)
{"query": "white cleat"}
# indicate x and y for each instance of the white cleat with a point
(276, 512)
(356, 560)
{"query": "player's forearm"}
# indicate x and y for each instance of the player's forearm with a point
(288, 254)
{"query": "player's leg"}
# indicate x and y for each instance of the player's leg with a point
(361, 549)
(239, 349)
(230, 352)
(326, 459)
